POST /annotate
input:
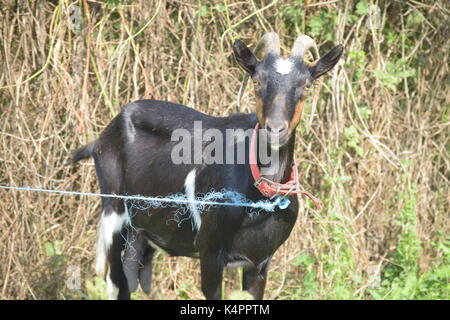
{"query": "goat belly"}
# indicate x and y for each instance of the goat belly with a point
(261, 237)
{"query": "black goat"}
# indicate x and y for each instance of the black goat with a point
(133, 156)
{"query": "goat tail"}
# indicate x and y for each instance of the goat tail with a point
(83, 152)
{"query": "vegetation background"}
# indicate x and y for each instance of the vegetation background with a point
(373, 144)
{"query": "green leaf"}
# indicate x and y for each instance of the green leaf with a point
(362, 7)
(96, 289)
(240, 295)
(49, 249)
(365, 112)
(221, 7)
(414, 19)
(352, 143)
(316, 25)
(53, 248)
(303, 259)
(350, 132)
(204, 11)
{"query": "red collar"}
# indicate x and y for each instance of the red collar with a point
(268, 188)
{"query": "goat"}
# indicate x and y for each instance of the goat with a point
(133, 156)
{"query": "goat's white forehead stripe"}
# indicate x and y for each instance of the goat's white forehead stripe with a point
(283, 66)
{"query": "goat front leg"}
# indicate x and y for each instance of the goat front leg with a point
(254, 280)
(211, 264)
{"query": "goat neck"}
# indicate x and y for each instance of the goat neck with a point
(281, 171)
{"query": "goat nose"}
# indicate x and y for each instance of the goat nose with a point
(276, 126)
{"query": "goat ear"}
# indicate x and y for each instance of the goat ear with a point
(327, 62)
(244, 57)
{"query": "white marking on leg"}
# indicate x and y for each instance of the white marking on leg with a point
(189, 186)
(113, 290)
(283, 66)
(109, 224)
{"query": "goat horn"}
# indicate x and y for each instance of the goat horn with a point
(270, 43)
(302, 44)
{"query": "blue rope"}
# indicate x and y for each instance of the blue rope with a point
(178, 200)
